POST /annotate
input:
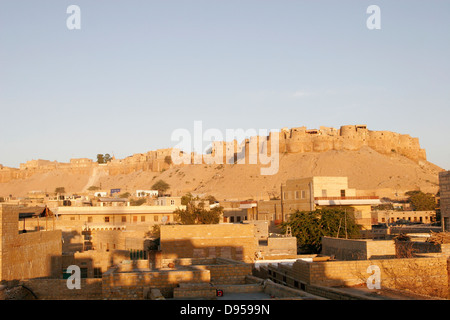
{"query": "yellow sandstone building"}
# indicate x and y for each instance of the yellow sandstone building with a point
(309, 194)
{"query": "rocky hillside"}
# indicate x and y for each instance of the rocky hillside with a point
(370, 172)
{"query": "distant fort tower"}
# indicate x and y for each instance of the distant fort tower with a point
(349, 137)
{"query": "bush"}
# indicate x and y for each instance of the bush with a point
(60, 190)
(138, 202)
(161, 186)
(310, 226)
(198, 214)
(421, 201)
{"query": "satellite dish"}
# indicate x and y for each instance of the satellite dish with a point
(164, 219)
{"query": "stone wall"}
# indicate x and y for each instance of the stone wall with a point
(395, 273)
(226, 271)
(56, 289)
(93, 259)
(357, 249)
(406, 249)
(235, 241)
(280, 246)
(27, 255)
(131, 285)
(134, 283)
(349, 137)
(424, 276)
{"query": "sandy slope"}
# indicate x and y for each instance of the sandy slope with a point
(368, 171)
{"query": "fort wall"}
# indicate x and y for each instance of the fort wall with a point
(294, 140)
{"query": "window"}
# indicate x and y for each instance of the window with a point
(155, 218)
(172, 202)
(66, 274)
(134, 218)
(89, 219)
(342, 193)
(124, 219)
(97, 273)
(84, 273)
(296, 194)
(303, 194)
(238, 219)
(72, 218)
(142, 218)
(231, 219)
(106, 219)
(324, 192)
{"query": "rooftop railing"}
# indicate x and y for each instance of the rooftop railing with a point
(347, 198)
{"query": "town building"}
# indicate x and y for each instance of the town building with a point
(309, 194)
(444, 185)
(25, 255)
(109, 217)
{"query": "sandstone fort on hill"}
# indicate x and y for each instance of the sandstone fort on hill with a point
(380, 163)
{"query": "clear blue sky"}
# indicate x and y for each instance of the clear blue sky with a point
(138, 70)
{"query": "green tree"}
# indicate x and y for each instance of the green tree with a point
(197, 214)
(137, 202)
(103, 158)
(60, 190)
(421, 201)
(186, 199)
(310, 226)
(161, 186)
(100, 158)
(211, 199)
(125, 195)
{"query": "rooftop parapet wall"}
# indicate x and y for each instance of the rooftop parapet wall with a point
(27, 255)
(415, 274)
(234, 241)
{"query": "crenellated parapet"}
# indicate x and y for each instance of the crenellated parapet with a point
(349, 137)
(249, 151)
